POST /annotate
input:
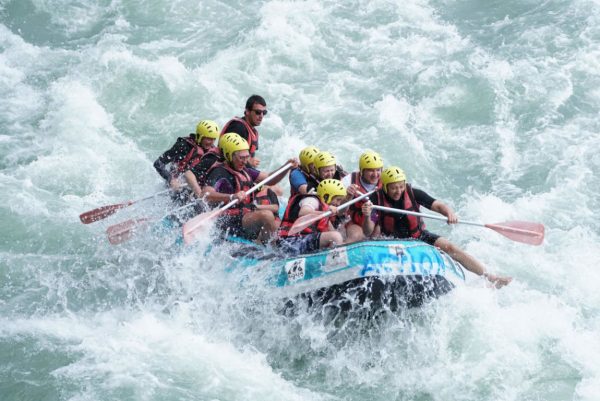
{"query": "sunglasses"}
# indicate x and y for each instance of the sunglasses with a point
(259, 112)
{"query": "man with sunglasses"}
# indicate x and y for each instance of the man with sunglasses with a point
(256, 109)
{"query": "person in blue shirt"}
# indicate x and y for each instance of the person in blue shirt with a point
(300, 177)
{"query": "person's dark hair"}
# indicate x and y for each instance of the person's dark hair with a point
(255, 99)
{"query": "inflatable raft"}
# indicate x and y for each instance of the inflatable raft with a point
(386, 273)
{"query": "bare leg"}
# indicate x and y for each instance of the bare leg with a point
(329, 239)
(261, 223)
(354, 233)
(469, 262)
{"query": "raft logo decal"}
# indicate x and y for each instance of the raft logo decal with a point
(295, 270)
(336, 259)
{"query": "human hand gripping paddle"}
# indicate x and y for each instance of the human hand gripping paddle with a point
(105, 211)
(520, 231)
(306, 220)
(193, 226)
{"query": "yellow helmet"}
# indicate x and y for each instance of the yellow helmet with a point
(370, 159)
(324, 159)
(391, 175)
(329, 188)
(307, 156)
(224, 139)
(230, 143)
(207, 129)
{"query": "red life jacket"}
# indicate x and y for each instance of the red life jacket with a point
(192, 157)
(389, 221)
(267, 197)
(291, 215)
(355, 210)
(252, 133)
(243, 182)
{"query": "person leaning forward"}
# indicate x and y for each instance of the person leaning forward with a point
(230, 180)
(398, 194)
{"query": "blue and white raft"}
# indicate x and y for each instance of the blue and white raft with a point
(385, 273)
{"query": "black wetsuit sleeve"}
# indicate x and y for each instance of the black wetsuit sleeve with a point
(423, 198)
(162, 169)
(177, 152)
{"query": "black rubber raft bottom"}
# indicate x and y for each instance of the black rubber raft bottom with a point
(370, 295)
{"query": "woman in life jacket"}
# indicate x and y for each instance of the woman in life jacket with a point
(396, 193)
(326, 167)
(366, 179)
(231, 180)
(300, 177)
(330, 194)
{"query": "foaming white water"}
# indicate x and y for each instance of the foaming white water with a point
(145, 356)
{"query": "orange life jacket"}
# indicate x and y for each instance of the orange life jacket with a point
(291, 215)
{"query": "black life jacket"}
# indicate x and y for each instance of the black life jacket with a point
(291, 215)
(392, 224)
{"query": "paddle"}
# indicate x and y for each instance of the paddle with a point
(105, 211)
(121, 232)
(302, 222)
(193, 226)
(520, 231)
